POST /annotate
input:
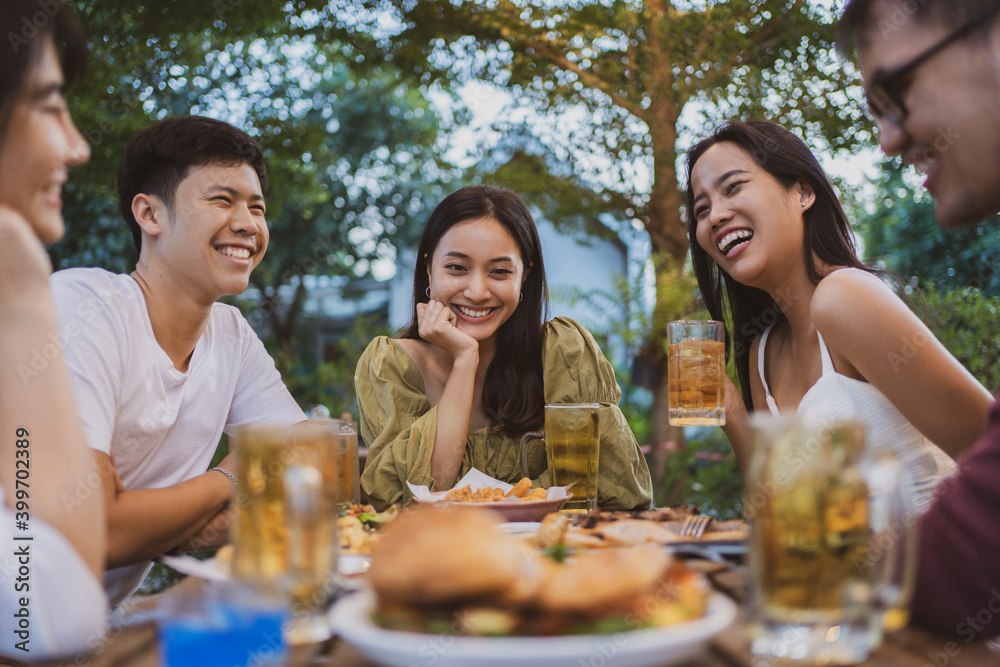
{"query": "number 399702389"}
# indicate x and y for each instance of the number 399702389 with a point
(22, 473)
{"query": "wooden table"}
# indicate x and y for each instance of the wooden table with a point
(135, 645)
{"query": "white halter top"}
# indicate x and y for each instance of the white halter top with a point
(838, 397)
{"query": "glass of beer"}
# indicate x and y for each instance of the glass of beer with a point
(696, 367)
(284, 535)
(347, 486)
(572, 450)
(830, 543)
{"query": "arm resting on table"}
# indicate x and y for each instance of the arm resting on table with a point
(145, 523)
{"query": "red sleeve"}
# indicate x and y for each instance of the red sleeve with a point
(958, 579)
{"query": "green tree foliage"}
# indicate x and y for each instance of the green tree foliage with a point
(351, 151)
(331, 383)
(954, 270)
(903, 236)
(630, 332)
(967, 322)
(139, 53)
(631, 69)
(703, 474)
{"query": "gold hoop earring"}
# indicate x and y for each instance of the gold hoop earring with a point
(427, 291)
(520, 298)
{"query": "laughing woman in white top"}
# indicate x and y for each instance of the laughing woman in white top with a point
(812, 329)
(51, 525)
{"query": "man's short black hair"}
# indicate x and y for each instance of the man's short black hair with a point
(856, 21)
(159, 158)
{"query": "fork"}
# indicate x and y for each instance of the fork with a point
(694, 525)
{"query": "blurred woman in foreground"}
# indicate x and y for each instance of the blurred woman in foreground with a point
(52, 523)
(477, 364)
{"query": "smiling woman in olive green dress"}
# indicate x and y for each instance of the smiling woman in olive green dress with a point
(478, 362)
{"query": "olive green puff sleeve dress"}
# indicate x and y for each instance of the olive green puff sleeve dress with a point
(399, 425)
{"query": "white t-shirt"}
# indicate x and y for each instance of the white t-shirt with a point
(160, 425)
(65, 607)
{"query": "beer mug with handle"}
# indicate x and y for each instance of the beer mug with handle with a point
(832, 552)
(285, 533)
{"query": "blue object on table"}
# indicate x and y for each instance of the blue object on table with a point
(223, 634)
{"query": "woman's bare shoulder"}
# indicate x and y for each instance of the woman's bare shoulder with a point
(850, 280)
(861, 320)
(850, 290)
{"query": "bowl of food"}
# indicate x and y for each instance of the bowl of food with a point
(518, 502)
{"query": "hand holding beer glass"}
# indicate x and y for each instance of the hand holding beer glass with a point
(285, 531)
(696, 364)
(831, 552)
(572, 450)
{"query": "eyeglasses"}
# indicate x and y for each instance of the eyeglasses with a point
(885, 103)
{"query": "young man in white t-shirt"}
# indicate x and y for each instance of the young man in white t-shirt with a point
(160, 370)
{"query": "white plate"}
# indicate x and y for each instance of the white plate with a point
(350, 567)
(520, 527)
(351, 618)
(191, 566)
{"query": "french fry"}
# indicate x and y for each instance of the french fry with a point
(465, 494)
(520, 489)
(537, 494)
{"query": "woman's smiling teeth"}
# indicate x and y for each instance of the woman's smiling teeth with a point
(238, 253)
(469, 312)
(733, 239)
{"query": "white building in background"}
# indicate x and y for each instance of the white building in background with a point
(571, 266)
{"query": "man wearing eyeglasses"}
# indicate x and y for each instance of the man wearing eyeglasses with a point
(931, 71)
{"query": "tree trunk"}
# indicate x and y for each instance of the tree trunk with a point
(284, 320)
(668, 239)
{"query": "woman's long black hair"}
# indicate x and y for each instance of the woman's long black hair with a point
(26, 24)
(513, 396)
(748, 311)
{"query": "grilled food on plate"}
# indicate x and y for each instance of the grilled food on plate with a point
(445, 570)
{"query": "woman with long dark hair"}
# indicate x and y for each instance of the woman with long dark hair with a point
(52, 599)
(478, 362)
(812, 329)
